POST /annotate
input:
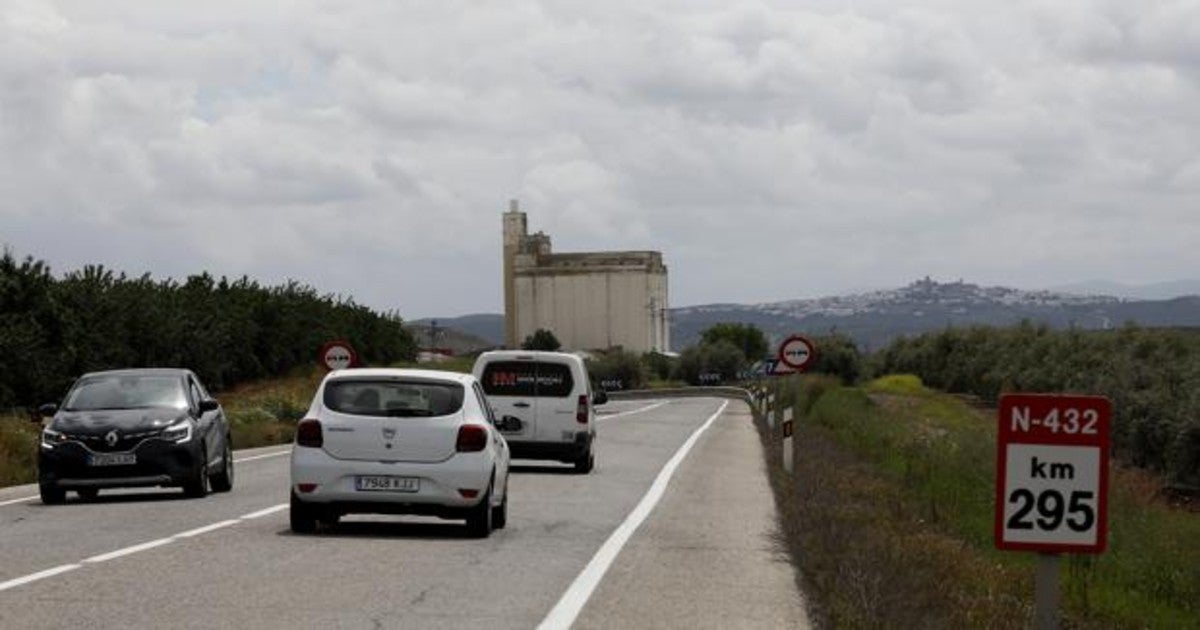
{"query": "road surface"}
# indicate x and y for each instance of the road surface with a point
(674, 528)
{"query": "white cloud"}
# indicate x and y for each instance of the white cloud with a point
(770, 151)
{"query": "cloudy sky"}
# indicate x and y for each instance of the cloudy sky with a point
(770, 150)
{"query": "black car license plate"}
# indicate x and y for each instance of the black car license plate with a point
(112, 459)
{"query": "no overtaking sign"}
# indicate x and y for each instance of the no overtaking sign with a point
(338, 355)
(797, 352)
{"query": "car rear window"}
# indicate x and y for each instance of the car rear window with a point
(527, 378)
(396, 398)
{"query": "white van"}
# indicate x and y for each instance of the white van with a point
(544, 401)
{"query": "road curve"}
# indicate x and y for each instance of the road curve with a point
(678, 513)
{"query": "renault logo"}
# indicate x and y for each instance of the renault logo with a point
(111, 438)
(389, 433)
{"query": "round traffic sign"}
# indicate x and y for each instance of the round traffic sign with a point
(797, 352)
(338, 355)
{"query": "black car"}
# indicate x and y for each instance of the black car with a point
(135, 428)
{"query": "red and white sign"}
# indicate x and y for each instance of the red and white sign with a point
(337, 355)
(1052, 473)
(797, 353)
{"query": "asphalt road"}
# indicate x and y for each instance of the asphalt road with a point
(674, 528)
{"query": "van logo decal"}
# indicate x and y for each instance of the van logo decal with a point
(389, 433)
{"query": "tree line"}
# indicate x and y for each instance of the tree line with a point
(1152, 377)
(52, 329)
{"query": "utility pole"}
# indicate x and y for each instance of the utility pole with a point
(433, 334)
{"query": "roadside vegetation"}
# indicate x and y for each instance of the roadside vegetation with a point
(889, 514)
(229, 331)
(1152, 377)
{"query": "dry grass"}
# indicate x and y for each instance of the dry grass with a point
(872, 560)
(18, 449)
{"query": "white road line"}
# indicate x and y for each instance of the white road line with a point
(104, 557)
(633, 411)
(576, 597)
(13, 501)
(40, 575)
(112, 555)
(208, 528)
(260, 513)
(254, 457)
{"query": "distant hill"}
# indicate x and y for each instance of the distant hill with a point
(463, 335)
(1155, 291)
(875, 318)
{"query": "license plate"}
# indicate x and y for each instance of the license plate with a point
(382, 483)
(112, 459)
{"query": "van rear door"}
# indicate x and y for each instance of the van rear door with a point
(511, 389)
(556, 407)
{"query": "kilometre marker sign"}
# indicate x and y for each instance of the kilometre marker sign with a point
(1052, 473)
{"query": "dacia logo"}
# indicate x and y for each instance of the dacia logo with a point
(111, 438)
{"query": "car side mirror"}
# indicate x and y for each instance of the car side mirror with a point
(600, 397)
(45, 411)
(208, 404)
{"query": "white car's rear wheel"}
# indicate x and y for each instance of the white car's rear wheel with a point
(500, 512)
(479, 519)
(303, 517)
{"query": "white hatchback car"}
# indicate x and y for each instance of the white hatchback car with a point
(399, 441)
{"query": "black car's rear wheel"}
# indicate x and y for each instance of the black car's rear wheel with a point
(52, 495)
(222, 481)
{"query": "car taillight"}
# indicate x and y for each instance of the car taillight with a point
(471, 438)
(581, 410)
(308, 433)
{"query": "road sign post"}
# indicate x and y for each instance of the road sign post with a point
(795, 354)
(1052, 483)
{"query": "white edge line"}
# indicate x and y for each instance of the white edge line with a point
(633, 411)
(207, 528)
(576, 597)
(254, 457)
(104, 557)
(261, 513)
(21, 500)
(40, 575)
(112, 555)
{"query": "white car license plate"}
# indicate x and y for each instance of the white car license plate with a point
(383, 483)
(112, 459)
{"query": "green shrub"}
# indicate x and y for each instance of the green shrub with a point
(618, 366)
